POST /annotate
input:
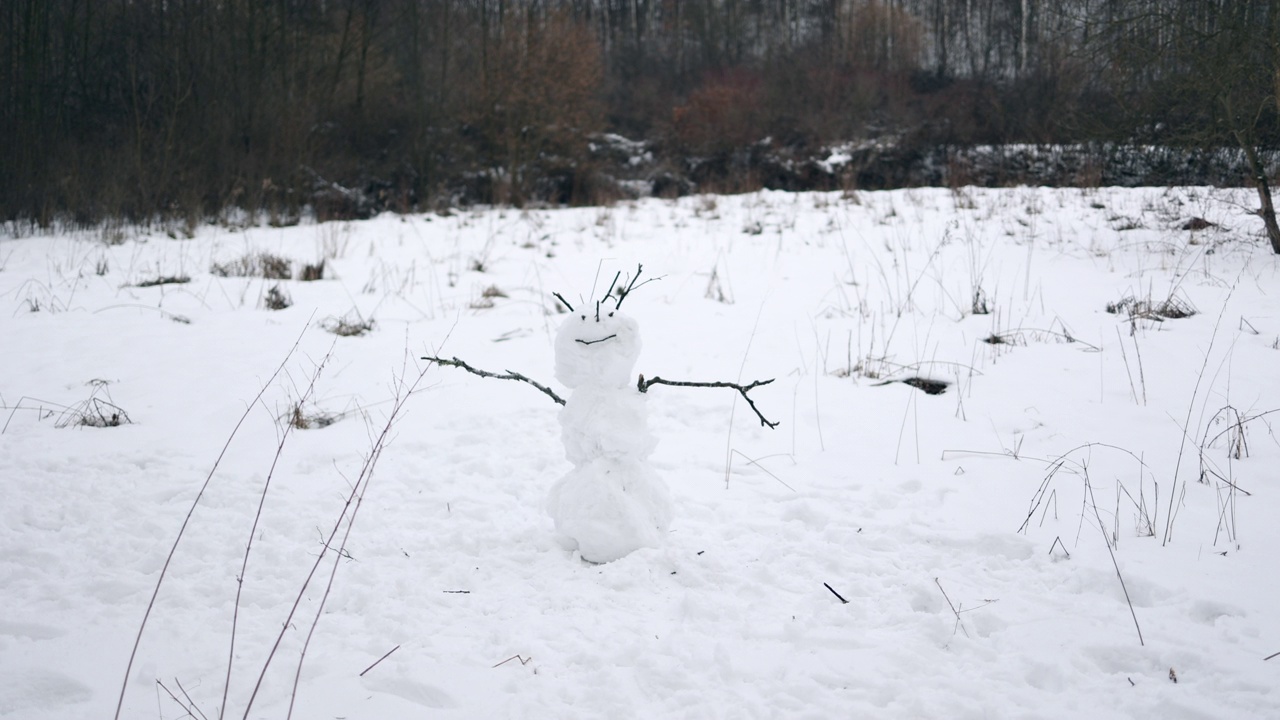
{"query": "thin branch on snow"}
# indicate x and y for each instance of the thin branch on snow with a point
(954, 611)
(643, 386)
(187, 695)
(1111, 551)
(523, 660)
(508, 375)
(191, 709)
(375, 662)
(833, 592)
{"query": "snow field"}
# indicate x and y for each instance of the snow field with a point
(971, 534)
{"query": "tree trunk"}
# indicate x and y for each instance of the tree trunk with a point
(1268, 211)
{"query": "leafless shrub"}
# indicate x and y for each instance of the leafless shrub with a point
(306, 419)
(487, 297)
(312, 273)
(94, 411)
(263, 265)
(162, 280)
(980, 305)
(1172, 308)
(1120, 223)
(716, 289)
(346, 326)
(277, 298)
(113, 232)
(1021, 336)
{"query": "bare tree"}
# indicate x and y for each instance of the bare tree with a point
(1198, 71)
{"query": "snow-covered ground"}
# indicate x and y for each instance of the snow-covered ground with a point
(1088, 512)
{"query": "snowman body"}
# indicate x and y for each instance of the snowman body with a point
(611, 503)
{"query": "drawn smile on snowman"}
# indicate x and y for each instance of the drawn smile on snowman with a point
(617, 302)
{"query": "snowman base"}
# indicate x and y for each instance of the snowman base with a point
(609, 508)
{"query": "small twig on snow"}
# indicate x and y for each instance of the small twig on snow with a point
(1057, 542)
(455, 362)
(523, 660)
(1110, 551)
(190, 708)
(959, 622)
(190, 702)
(375, 662)
(643, 386)
(833, 592)
(750, 461)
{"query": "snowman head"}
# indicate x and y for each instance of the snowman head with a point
(597, 348)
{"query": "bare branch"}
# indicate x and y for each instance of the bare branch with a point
(455, 362)
(384, 657)
(560, 297)
(622, 292)
(643, 386)
(1111, 551)
(615, 282)
(954, 611)
(187, 695)
(191, 709)
(833, 592)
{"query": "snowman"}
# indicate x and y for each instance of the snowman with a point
(611, 503)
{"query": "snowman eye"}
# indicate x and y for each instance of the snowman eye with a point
(584, 317)
(610, 314)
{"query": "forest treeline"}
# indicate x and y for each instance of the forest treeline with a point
(138, 109)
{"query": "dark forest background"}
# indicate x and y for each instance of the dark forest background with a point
(139, 109)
